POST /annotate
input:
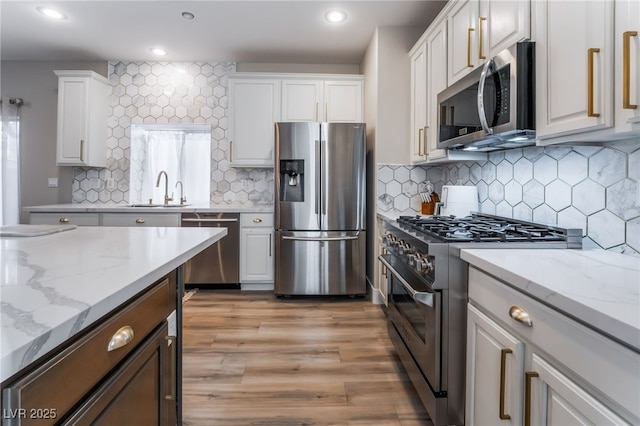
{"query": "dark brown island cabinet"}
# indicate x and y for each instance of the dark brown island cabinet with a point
(121, 371)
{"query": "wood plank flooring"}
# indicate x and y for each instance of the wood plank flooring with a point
(254, 359)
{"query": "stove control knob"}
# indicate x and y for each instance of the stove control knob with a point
(412, 259)
(421, 264)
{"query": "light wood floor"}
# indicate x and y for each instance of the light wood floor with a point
(254, 359)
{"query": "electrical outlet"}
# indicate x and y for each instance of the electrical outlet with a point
(52, 182)
(94, 183)
(111, 183)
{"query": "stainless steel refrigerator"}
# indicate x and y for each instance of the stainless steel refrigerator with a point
(320, 209)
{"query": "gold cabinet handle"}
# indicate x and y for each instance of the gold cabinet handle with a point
(82, 150)
(122, 337)
(425, 134)
(469, 31)
(230, 151)
(257, 220)
(382, 265)
(481, 54)
(420, 132)
(503, 362)
(173, 379)
(269, 245)
(64, 220)
(520, 315)
(317, 108)
(528, 375)
(626, 69)
(139, 220)
(591, 52)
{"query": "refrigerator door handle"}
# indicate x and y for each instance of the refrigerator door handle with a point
(318, 172)
(353, 237)
(323, 200)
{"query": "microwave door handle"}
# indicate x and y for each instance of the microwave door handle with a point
(488, 68)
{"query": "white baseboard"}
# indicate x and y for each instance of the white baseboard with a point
(256, 286)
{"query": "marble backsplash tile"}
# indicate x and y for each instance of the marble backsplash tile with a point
(169, 92)
(594, 188)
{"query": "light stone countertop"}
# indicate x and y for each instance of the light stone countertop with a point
(596, 287)
(54, 286)
(124, 208)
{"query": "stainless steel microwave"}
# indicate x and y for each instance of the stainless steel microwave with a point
(493, 107)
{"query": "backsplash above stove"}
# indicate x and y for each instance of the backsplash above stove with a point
(593, 188)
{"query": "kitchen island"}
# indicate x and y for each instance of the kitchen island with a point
(57, 288)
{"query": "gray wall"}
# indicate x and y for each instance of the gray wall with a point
(36, 83)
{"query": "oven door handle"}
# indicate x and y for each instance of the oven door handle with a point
(426, 298)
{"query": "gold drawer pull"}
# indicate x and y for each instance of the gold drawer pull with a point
(469, 31)
(626, 69)
(257, 220)
(520, 315)
(121, 338)
(140, 220)
(503, 362)
(590, 82)
(64, 220)
(528, 375)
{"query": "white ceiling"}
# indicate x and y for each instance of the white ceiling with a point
(291, 31)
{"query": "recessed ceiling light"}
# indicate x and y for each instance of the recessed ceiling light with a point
(51, 13)
(188, 15)
(158, 51)
(335, 16)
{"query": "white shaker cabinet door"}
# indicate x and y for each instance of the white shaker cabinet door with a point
(555, 400)
(302, 100)
(418, 119)
(82, 118)
(343, 102)
(495, 362)
(574, 66)
(254, 107)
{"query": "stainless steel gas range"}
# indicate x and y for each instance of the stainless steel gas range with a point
(427, 284)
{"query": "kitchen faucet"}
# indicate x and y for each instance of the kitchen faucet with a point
(182, 199)
(166, 186)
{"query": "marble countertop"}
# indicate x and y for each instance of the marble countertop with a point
(54, 286)
(124, 208)
(596, 287)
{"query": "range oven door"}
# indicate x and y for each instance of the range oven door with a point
(415, 312)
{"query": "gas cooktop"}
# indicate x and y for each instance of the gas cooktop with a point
(479, 227)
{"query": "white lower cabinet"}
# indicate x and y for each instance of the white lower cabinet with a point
(530, 364)
(256, 250)
(65, 218)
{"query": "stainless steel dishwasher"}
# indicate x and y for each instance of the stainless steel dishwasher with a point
(218, 265)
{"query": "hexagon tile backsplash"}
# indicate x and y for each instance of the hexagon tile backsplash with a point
(594, 188)
(169, 92)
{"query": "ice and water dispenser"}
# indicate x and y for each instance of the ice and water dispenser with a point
(291, 180)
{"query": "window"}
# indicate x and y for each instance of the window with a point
(183, 151)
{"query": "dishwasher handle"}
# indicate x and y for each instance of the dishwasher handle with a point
(208, 220)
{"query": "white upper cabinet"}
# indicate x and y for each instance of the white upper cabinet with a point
(587, 68)
(462, 27)
(254, 107)
(627, 66)
(574, 66)
(478, 30)
(302, 100)
(82, 118)
(436, 83)
(338, 101)
(418, 119)
(343, 101)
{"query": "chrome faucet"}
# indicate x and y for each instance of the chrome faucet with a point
(166, 186)
(182, 199)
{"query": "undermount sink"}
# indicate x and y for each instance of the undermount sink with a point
(157, 205)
